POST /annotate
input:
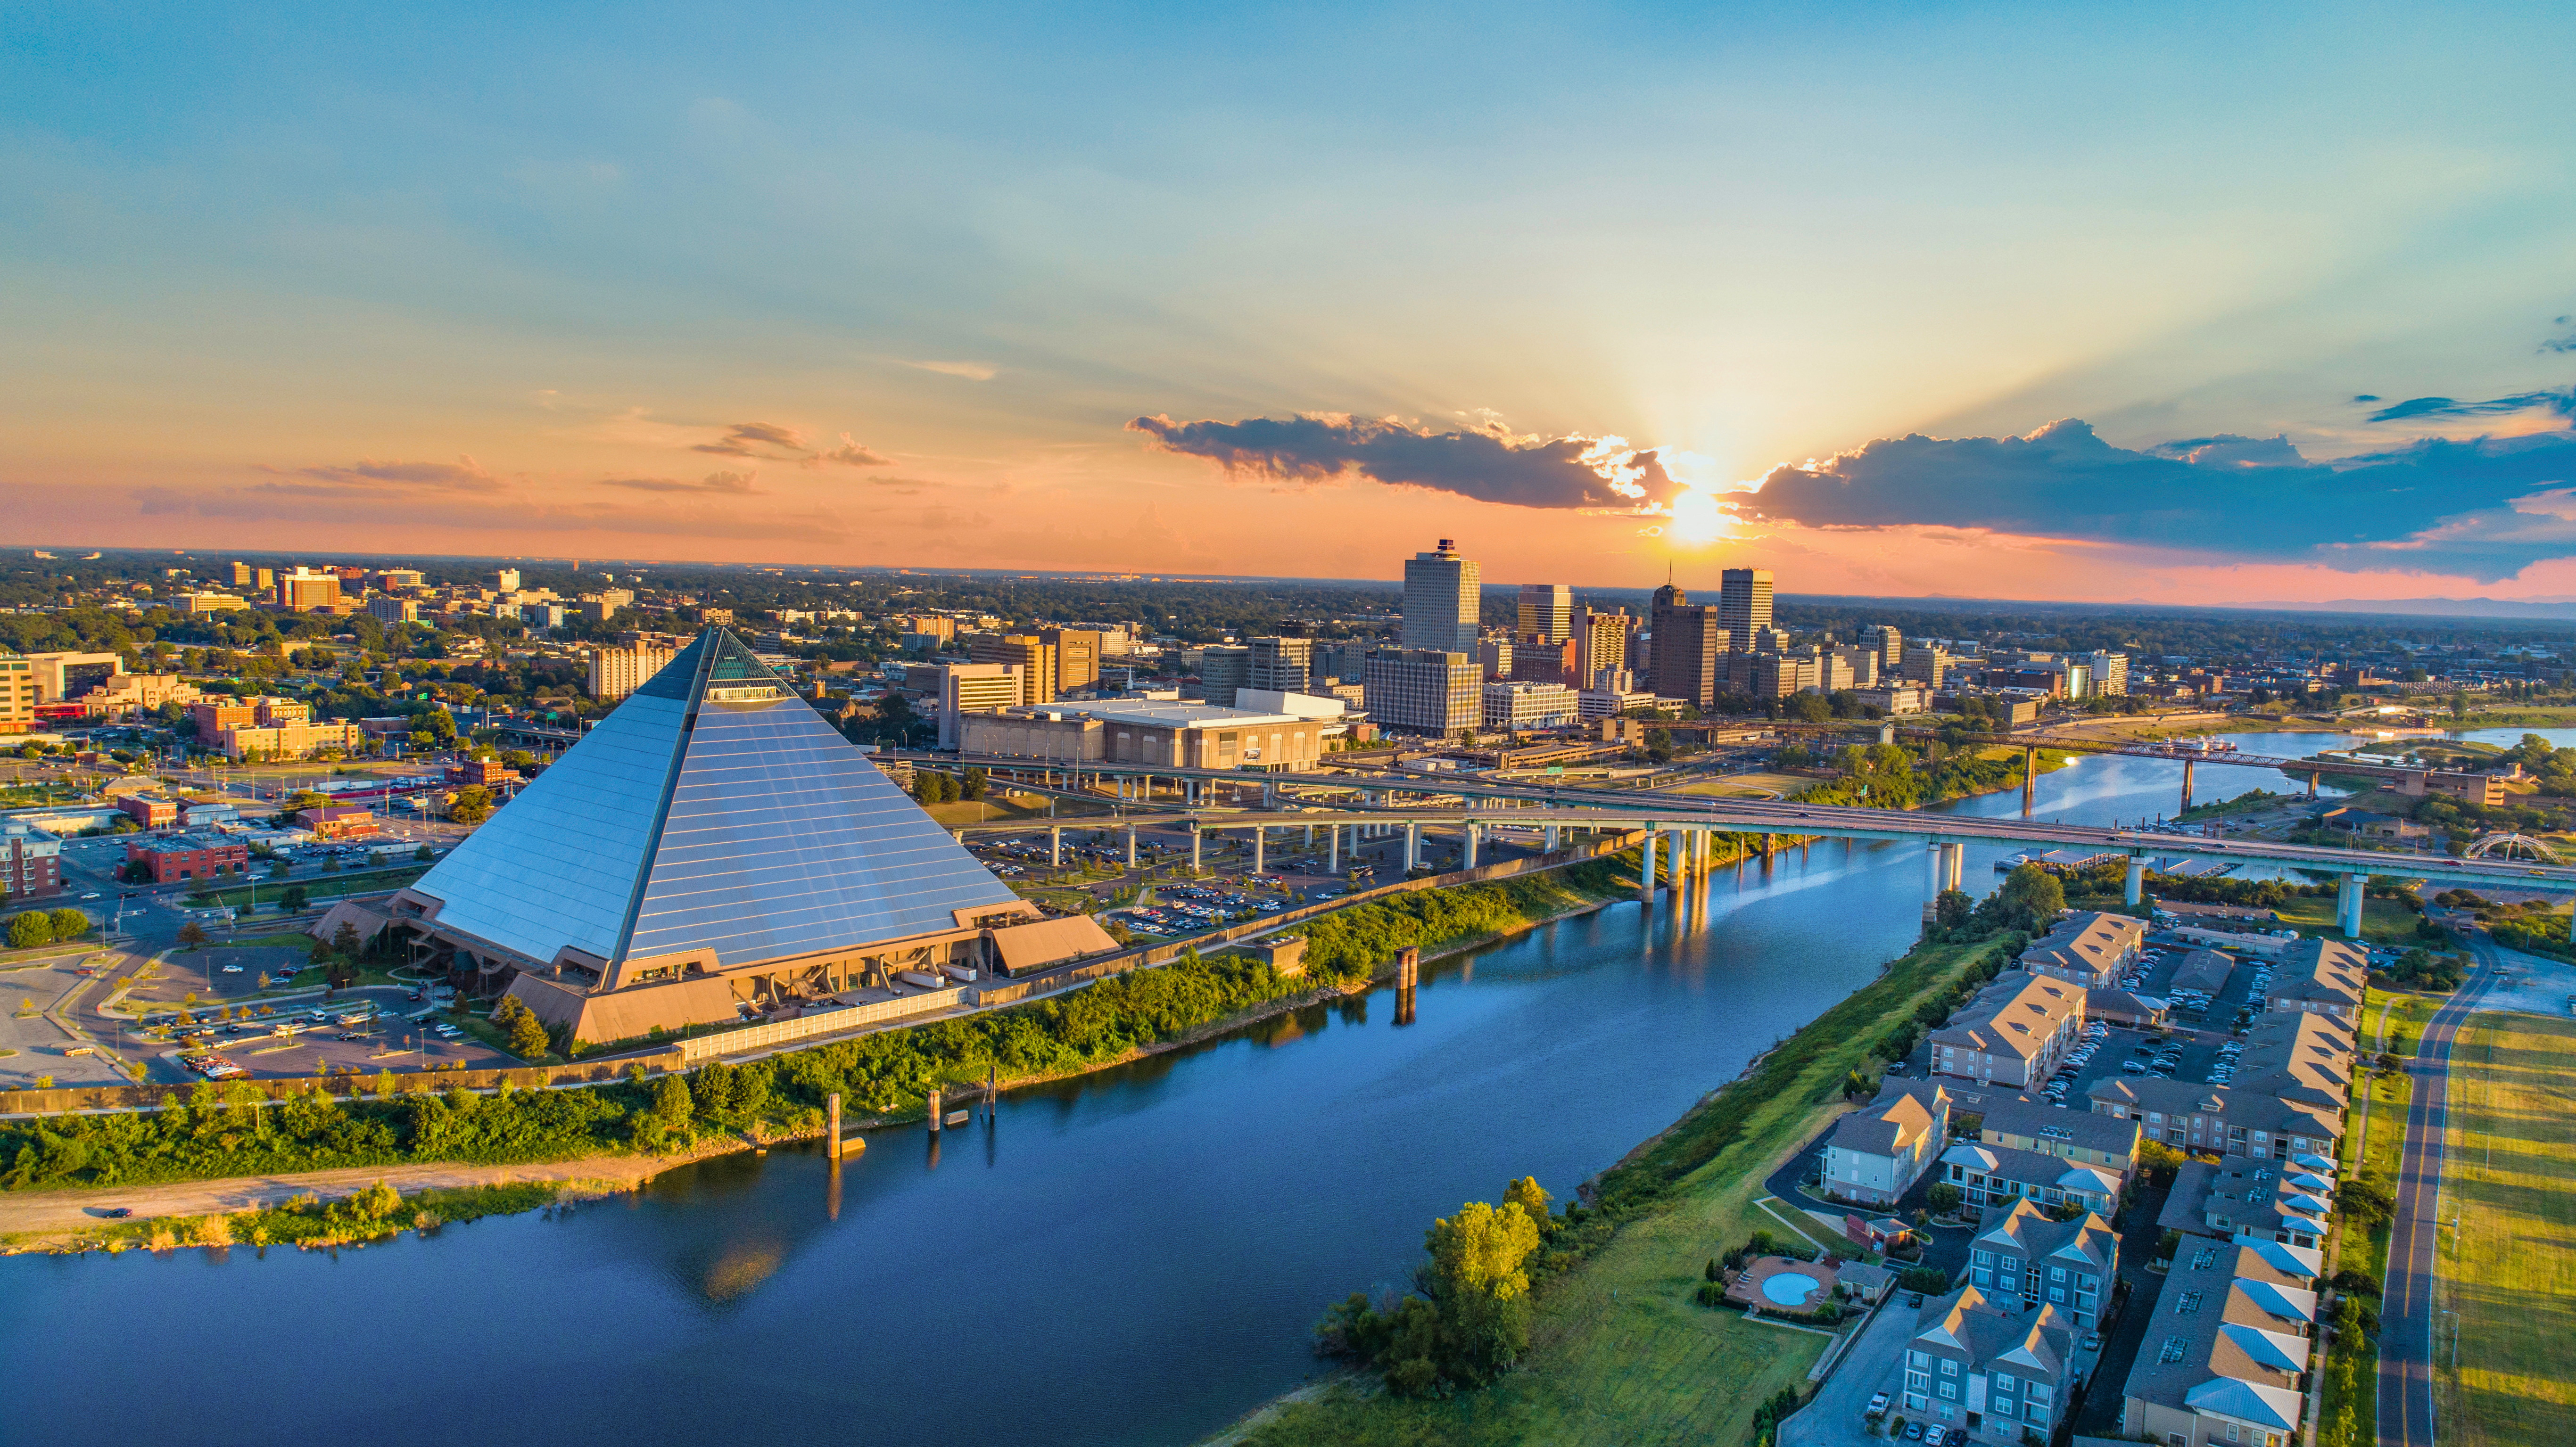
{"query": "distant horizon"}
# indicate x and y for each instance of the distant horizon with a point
(2430, 610)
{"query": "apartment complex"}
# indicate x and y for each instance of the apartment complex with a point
(2013, 1033)
(2227, 1350)
(31, 862)
(1993, 1368)
(2087, 948)
(1877, 1153)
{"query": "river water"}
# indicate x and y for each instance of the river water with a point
(1133, 1257)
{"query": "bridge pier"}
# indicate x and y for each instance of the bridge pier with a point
(2186, 787)
(1551, 839)
(2312, 785)
(1260, 834)
(2348, 905)
(1055, 849)
(1954, 867)
(1473, 829)
(1412, 846)
(1332, 848)
(1646, 871)
(1887, 732)
(2029, 779)
(2134, 888)
(1131, 846)
(1196, 837)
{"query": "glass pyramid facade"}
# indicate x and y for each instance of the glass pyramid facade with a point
(713, 812)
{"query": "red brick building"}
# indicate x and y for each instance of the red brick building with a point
(148, 812)
(188, 856)
(481, 771)
(338, 821)
(31, 862)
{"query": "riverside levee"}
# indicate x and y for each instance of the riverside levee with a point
(1155, 1239)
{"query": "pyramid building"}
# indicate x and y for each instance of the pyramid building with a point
(713, 849)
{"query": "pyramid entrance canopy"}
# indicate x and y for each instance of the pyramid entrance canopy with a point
(712, 812)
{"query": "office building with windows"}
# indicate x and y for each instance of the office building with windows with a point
(1224, 669)
(1281, 665)
(1443, 600)
(1546, 612)
(1423, 691)
(1744, 605)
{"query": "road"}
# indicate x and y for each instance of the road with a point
(2408, 1310)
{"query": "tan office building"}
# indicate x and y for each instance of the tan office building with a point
(1077, 656)
(1035, 656)
(617, 672)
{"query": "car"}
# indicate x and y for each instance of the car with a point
(1913, 1431)
(232, 969)
(91, 895)
(119, 1213)
(2093, 1341)
(1877, 1407)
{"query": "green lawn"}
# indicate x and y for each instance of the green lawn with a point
(2383, 921)
(326, 886)
(2510, 1268)
(1619, 1353)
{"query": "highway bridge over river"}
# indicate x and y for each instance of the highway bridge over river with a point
(1683, 823)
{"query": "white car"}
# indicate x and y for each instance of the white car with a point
(232, 969)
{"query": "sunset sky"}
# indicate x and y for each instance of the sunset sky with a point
(2181, 304)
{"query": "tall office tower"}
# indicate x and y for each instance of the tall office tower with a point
(1077, 656)
(1494, 653)
(1034, 655)
(506, 580)
(2110, 672)
(1602, 642)
(1535, 660)
(1345, 659)
(1688, 641)
(1547, 612)
(241, 575)
(1442, 601)
(1865, 665)
(1224, 670)
(1285, 665)
(1926, 663)
(1744, 604)
(1884, 640)
(1423, 690)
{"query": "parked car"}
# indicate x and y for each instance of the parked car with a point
(1877, 1407)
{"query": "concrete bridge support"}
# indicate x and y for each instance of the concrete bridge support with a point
(1646, 870)
(1196, 838)
(2134, 888)
(1332, 848)
(1260, 835)
(2348, 905)
(1412, 847)
(1887, 732)
(2029, 779)
(1055, 849)
(1551, 839)
(1474, 830)
(1131, 846)
(1954, 867)
(2186, 787)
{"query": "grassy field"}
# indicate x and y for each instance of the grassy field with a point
(2510, 1269)
(2376, 1132)
(325, 886)
(1619, 1354)
(2383, 921)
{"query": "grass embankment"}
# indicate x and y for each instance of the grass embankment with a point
(2252, 801)
(2374, 1140)
(2509, 1269)
(224, 1132)
(1619, 1353)
(320, 886)
(309, 1221)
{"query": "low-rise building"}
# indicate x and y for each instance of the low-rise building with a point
(289, 741)
(2066, 1265)
(1992, 1176)
(1991, 1369)
(2126, 1008)
(1878, 1152)
(1530, 706)
(2094, 1140)
(150, 811)
(2251, 1200)
(338, 821)
(2320, 976)
(1147, 731)
(31, 862)
(2087, 948)
(2219, 1119)
(2225, 1352)
(170, 858)
(126, 693)
(2203, 970)
(2013, 1033)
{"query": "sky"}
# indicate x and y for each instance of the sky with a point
(2166, 303)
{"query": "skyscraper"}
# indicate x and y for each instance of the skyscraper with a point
(1744, 604)
(1688, 641)
(1547, 612)
(1283, 665)
(1442, 601)
(1604, 644)
(1889, 643)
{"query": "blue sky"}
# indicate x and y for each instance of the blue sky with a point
(505, 278)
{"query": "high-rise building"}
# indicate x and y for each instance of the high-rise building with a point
(1603, 640)
(1864, 663)
(1282, 665)
(1494, 654)
(506, 580)
(1536, 660)
(1224, 669)
(1423, 690)
(1744, 604)
(2110, 672)
(1926, 663)
(966, 688)
(1687, 642)
(401, 580)
(1443, 602)
(617, 672)
(305, 589)
(242, 575)
(1547, 612)
(1889, 644)
(1077, 656)
(1346, 660)
(1034, 655)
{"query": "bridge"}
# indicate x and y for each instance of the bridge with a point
(1686, 825)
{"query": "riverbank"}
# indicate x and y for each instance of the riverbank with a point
(1619, 1351)
(619, 1136)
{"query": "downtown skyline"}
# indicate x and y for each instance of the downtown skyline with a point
(2018, 303)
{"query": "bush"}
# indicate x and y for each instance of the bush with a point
(70, 924)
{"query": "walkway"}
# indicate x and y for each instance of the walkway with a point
(2407, 1310)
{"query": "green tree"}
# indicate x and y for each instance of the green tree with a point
(1533, 1200)
(472, 804)
(191, 935)
(28, 930)
(2030, 899)
(70, 924)
(1483, 1250)
(972, 787)
(672, 1107)
(297, 898)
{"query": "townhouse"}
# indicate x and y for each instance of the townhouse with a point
(1996, 1371)
(2225, 1351)
(2013, 1033)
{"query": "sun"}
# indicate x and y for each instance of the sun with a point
(1697, 518)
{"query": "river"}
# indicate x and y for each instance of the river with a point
(1133, 1257)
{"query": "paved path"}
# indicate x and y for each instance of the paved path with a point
(1834, 1418)
(2407, 1311)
